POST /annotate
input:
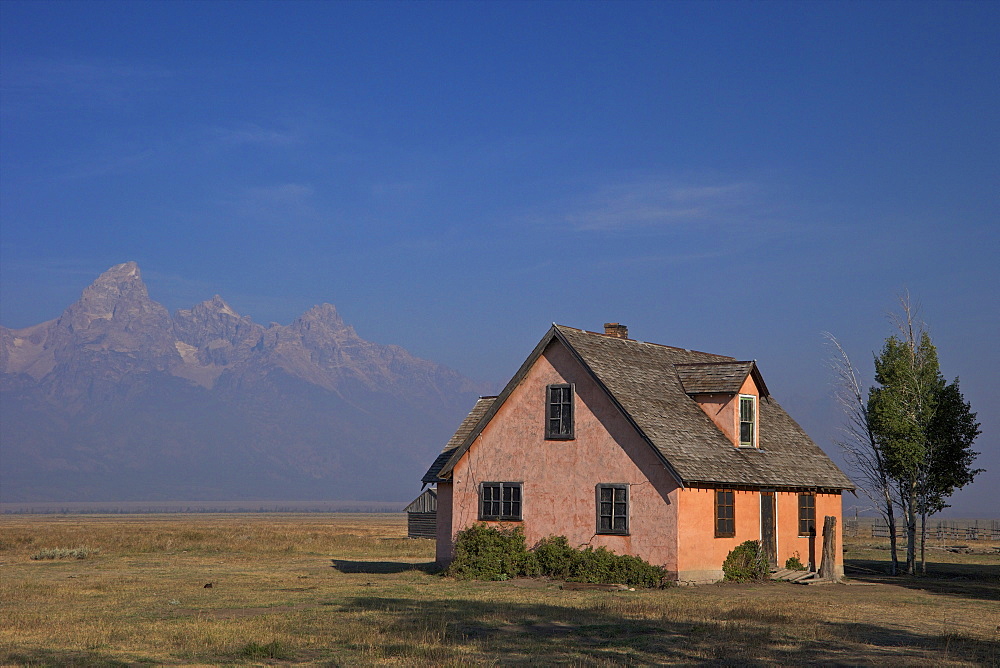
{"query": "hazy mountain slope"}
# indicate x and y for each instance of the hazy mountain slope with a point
(118, 400)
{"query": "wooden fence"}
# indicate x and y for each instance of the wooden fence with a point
(937, 530)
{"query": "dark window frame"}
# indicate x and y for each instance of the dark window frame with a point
(807, 514)
(725, 513)
(501, 501)
(612, 510)
(559, 412)
(750, 424)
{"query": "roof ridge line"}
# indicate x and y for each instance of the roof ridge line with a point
(734, 361)
(650, 343)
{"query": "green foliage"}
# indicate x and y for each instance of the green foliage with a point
(746, 563)
(604, 566)
(487, 553)
(64, 553)
(901, 408)
(950, 436)
(794, 564)
(922, 427)
(556, 558)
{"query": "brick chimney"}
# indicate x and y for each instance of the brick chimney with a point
(616, 330)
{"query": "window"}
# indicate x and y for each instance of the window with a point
(748, 420)
(725, 513)
(807, 514)
(559, 411)
(500, 501)
(612, 508)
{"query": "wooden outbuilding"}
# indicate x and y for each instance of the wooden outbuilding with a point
(421, 515)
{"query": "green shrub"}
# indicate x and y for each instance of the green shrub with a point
(556, 558)
(604, 566)
(746, 563)
(793, 563)
(486, 553)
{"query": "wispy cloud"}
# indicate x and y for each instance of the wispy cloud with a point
(658, 203)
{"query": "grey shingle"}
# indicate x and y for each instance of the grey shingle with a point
(458, 438)
(714, 377)
(651, 384)
(644, 379)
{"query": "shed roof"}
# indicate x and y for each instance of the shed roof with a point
(644, 381)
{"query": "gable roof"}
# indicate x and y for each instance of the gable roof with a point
(718, 377)
(644, 382)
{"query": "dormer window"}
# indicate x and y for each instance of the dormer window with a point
(748, 421)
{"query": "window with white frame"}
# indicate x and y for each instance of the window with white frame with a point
(748, 421)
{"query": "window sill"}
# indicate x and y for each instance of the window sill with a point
(613, 533)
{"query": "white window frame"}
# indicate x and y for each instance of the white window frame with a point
(752, 443)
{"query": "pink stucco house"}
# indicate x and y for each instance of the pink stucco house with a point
(669, 454)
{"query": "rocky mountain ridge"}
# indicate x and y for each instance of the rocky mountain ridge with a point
(117, 389)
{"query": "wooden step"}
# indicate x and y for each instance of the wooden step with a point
(791, 576)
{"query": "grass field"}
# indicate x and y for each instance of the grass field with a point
(349, 590)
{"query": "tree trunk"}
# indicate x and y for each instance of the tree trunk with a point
(923, 543)
(828, 566)
(911, 530)
(890, 516)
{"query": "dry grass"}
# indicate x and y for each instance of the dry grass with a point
(352, 590)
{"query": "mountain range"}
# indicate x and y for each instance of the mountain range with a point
(119, 400)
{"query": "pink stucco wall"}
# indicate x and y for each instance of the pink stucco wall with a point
(669, 526)
(724, 409)
(445, 533)
(560, 476)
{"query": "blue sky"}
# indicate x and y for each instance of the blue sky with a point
(730, 177)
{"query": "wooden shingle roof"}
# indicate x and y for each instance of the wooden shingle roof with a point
(645, 381)
(718, 377)
(458, 438)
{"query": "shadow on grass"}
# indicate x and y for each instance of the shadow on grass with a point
(975, 581)
(44, 657)
(524, 633)
(382, 567)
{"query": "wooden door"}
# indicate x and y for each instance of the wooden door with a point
(768, 534)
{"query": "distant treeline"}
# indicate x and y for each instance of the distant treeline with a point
(143, 507)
